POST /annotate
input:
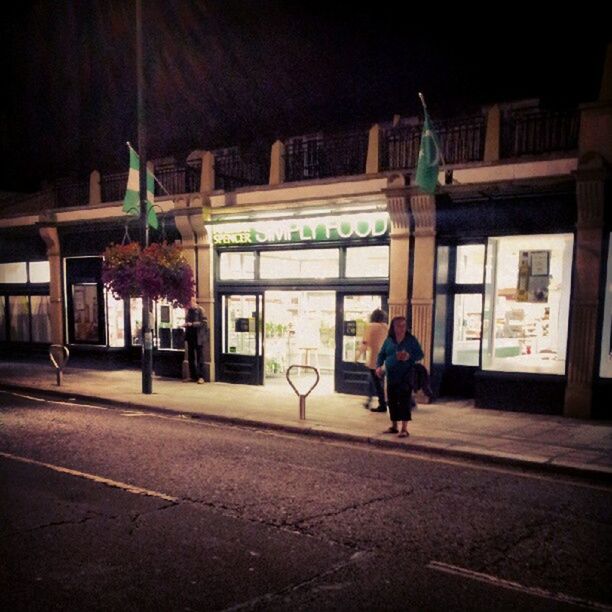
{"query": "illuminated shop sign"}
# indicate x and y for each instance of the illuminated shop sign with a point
(314, 229)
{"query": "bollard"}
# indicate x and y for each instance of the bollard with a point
(59, 359)
(302, 396)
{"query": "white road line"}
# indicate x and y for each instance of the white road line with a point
(516, 586)
(52, 401)
(124, 486)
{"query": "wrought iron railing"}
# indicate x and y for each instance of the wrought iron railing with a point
(535, 131)
(322, 156)
(460, 140)
(235, 169)
(176, 178)
(74, 193)
(112, 186)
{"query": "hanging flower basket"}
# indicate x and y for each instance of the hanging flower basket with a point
(163, 273)
(159, 272)
(119, 270)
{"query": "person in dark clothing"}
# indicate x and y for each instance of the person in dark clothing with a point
(398, 354)
(196, 326)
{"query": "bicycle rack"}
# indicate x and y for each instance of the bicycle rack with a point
(300, 395)
(59, 356)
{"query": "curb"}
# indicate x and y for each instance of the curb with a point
(585, 471)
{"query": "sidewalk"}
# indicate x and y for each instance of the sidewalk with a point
(451, 428)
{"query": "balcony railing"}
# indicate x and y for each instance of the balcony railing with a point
(71, 193)
(177, 178)
(461, 141)
(323, 156)
(235, 169)
(112, 186)
(535, 131)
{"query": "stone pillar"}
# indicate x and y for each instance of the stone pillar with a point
(423, 209)
(207, 176)
(583, 333)
(399, 251)
(277, 163)
(197, 249)
(51, 239)
(493, 135)
(373, 158)
(95, 191)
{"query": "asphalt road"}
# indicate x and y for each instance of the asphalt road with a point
(110, 509)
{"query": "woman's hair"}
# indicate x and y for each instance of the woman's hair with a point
(392, 328)
(377, 316)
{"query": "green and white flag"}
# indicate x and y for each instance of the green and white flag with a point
(131, 202)
(429, 157)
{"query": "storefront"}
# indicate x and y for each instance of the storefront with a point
(502, 308)
(298, 290)
(105, 329)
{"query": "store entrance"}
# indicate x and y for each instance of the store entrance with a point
(300, 329)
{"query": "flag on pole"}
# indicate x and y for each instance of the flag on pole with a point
(131, 202)
(429, 156)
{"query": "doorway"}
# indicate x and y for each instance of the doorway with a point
(300, 328)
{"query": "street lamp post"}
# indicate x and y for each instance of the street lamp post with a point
(147, 336)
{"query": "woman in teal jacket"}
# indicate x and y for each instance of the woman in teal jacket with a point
(399, 352)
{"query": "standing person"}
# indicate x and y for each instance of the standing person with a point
(196, 325)
(400, 351)
(373, 338)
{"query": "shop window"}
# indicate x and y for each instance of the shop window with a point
(605, 365)
(115, 311)
(85, 305)
(2, 318)
(41, 320)
(304, 263)
(526, 308)
(170, 327)
(13, 273)
(466, 328)
(19, 318)
(136, 321)
(367, 262)
(40, 271)
(237, 266)
(241, 324)
(470, 264)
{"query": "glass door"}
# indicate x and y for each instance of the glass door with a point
(353, 313)
(241, 350)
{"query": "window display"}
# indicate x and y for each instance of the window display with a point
(527, 292)
(116, 320)
(241, 325)
(85, 304)
(466, 328)
(170, 326)
(19, 313)
(41, 321)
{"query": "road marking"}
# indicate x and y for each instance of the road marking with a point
(124, 486)
(516, 586)
(52, 401)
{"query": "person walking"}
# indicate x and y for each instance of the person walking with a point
(398, 354)
(373, 338)
(196, 326)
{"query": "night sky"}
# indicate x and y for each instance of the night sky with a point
(229, 72)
